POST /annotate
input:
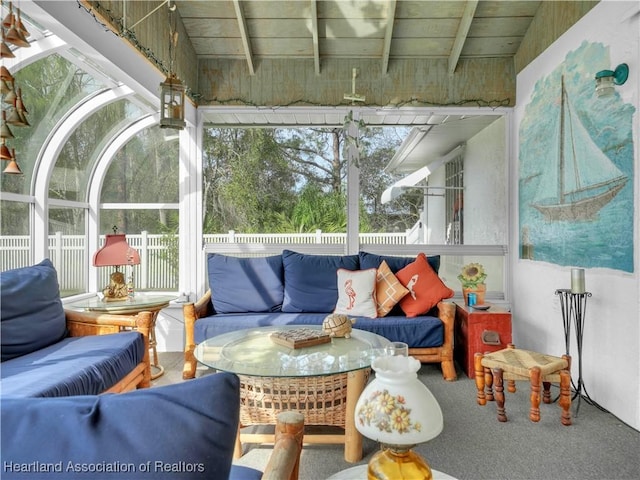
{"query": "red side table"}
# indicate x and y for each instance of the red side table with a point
(479, 331)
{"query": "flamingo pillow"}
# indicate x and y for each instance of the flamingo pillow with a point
(357, 292)
(424, 285)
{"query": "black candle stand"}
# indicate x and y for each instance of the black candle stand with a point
(574, 307)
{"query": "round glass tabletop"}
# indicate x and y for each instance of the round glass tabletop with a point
(253, 352)
(137, 303)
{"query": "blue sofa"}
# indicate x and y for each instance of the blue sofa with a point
(182, 431)
(49, 352)
(301, 289)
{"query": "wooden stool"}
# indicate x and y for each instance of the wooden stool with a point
(513, 364)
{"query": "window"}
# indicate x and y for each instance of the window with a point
(454, 195)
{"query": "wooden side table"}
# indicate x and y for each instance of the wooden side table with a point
(479, 331)
(139, 303)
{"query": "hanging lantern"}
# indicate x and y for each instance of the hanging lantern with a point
(172, 103)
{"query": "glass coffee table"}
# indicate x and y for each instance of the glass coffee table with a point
(323, 382)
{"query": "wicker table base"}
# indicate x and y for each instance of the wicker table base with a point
(323, 382)
(327, 400)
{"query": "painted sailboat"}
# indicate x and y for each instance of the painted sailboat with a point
(585, 179)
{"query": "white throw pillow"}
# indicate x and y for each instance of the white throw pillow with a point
(357, 292)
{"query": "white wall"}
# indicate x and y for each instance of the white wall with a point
(485, 187)
(611, 347)
(486, 209)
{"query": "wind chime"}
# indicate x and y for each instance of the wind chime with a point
(14, 112)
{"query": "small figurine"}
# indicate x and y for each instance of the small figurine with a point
(338, 325)
(117, 289)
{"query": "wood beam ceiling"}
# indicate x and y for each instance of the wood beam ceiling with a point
(246, 44)
(461, 35)
(314, 34)
(388, 35)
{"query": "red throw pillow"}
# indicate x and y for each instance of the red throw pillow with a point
(424, 285)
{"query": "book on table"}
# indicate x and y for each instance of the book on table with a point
(300, 337)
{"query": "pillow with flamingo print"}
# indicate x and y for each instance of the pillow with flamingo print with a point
(357, 292)
(424, 285)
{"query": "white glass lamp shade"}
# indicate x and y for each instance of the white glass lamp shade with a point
(396, 408)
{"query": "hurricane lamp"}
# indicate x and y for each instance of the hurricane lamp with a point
(116, 252)
(398, 411)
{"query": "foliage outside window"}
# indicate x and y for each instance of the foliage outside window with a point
(145, 171)
(280, 180)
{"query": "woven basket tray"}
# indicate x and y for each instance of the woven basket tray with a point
(322, 400)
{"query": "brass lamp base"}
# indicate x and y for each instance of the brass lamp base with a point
(398, 463)
(117, 289)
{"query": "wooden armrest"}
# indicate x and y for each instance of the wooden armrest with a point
(284, 462)
(447, 315)
(141, 321)
(192, 312)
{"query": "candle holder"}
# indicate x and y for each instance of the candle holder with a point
(577, 280)
(574, 306)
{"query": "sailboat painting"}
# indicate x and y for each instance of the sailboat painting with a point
(576, 169)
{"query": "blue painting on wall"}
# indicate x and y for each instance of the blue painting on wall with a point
(576, 169)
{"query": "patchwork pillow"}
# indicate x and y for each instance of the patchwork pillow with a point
(184, 431)
(310, 281)
(424, 285)
(389, 290)
(372, 260)
(31, 312)
(241, 285)
(357, 292)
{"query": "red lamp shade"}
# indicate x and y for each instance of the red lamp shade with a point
(116, 251)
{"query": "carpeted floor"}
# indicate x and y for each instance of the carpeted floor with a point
(475, 446)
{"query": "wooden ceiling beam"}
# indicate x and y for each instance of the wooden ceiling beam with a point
(461, 35)
(314, 32)
(388, 35)
(244, 35)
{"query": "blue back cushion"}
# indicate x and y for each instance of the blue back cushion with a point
(371, 260)
(311, 281)
(245, 284)
(185, 430)
(31, 311)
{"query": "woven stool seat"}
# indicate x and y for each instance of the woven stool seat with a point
(517, 361)
(514, 364)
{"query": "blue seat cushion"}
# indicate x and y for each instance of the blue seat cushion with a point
(311, 282)
(73, 366)
(242, 472)
(245, 284)
(182, 431)
(417, 332)
(31, 312)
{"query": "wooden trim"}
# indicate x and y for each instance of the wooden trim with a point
(133, 380)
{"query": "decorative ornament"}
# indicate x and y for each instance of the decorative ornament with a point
(472, 278)
(338, 325)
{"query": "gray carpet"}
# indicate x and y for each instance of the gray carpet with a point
(475, 446)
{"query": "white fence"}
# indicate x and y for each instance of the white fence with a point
(155, 272)
(157, 258)
(318, 237)
(158, 272)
